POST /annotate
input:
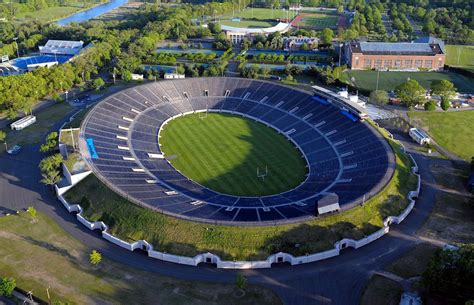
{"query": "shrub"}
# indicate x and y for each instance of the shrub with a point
(95, 257)
(7, 285)
(430, 106)
(445, 104)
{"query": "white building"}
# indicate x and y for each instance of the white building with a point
(173, 76)
(61, 47)
(419, 136)
(23, 122)
(328, 204)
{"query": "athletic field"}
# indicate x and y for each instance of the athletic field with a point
(318, 21)
(452, 130)
(389, 80)
(460, 56)
(223, 152)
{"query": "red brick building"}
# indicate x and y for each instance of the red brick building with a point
(426, 54)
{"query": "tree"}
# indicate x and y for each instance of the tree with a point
(51, 142)
(7, 285)
(51, 177)
(379, 97)
(451, 273)
(32, 211)
(95, 258)
(327, 36)
(410, 92)
(430, 106)
(98, 83)
(445, 104)
(241, 282)
(51, 163)
(443, 88)
(3, 137)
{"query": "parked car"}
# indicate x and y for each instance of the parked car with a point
(14, 150)
(275, 77)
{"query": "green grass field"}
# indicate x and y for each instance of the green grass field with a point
(389, 80)
(460, 56)
(452, 130)
(41, 254)
(318, 21)
(54, 13)
(131, 222)
(223, 151)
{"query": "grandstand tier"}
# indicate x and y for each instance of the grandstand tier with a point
(345, 156)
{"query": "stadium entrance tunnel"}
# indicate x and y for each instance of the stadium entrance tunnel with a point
(233, 154)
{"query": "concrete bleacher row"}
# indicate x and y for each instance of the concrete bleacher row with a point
(344, 157)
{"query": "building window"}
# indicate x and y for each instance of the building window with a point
(387, 63)
(408, 63)
(428, 64)
(357, 62)
(398, 63)
(367, 63)
(418, 63)
(378, 63)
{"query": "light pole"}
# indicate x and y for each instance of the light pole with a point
(340, 53)
(17, 51)
(377, 83)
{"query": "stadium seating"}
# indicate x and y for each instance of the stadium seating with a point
(344, 157)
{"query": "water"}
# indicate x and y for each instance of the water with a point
(92, 12)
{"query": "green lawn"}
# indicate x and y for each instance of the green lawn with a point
(452, 130)
(388, 80)
(131, 222)
(223, 151)
(54, 13)
(41, 254)
(258, 13)
(318, 21)
(460, 56)
(36, 133)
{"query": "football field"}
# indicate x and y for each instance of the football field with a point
(223, 152)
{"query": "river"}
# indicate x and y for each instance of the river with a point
(92, 12)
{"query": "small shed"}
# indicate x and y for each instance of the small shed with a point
(419, 136)
(329, 203)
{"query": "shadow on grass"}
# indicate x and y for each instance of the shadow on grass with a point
(305, 238)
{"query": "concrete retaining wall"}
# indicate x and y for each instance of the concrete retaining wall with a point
(274, 258)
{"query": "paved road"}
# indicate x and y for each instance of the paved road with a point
(339, 280)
